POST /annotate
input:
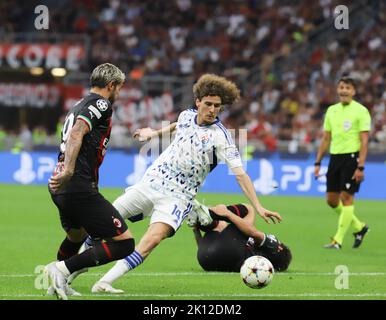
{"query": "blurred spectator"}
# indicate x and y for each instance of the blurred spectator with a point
(25, 138)
(3, 136)
(59, 127)
(235, 39)
(260, 129)
(39, 135)
(270, 99)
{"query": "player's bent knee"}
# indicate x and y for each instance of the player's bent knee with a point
(249, 207)
(348, 202)
(121, 249)
(333, 199)
(220, 206)
(332, 203)
(120, 208)
(126, 235)
(76, 235)
(347, 198)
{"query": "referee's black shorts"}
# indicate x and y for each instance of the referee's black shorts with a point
(340, 171)
(91, 211)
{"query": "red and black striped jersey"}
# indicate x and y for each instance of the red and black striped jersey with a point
(96, 112)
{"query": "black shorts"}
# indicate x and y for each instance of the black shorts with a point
(340, 171)
(223, 251)
(92, 212)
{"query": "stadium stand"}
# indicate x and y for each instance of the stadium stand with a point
(285, 55)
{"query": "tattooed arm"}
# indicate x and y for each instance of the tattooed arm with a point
(73, 145)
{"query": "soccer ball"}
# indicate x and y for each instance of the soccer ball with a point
(256, 272)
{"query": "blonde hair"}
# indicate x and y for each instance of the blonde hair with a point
(213, 85)
(105, 73)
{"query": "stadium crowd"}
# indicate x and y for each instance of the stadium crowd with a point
(186, 38)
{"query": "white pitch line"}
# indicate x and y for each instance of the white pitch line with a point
(173, 274)
(198, 295)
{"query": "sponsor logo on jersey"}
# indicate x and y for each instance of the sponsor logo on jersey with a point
(347, 124)
(205, 139)
(102, 105)
(94, 111)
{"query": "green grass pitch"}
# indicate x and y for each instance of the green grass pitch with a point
(31, 232)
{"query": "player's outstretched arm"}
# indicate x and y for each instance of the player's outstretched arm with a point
(145, 134)
(247, 186)
(73, 145)
(249, 217)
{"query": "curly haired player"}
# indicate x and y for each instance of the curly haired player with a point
(170, 184)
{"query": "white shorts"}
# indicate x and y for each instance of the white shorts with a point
(143, 199)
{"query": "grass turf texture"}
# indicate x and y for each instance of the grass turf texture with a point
(31, 233)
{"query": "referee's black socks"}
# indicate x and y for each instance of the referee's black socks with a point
(101, 253)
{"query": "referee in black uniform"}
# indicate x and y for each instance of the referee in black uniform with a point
(74, 184)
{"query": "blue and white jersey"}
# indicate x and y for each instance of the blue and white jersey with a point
(182, 168)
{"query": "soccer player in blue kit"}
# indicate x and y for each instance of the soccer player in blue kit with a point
(167, 190)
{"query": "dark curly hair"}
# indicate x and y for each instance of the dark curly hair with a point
(348, 80)
(213, 85)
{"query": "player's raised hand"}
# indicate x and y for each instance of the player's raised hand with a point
(269, 216)
(144, 134)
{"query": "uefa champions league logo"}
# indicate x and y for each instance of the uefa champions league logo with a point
(26, 174)
(102, 105)
(265, 184)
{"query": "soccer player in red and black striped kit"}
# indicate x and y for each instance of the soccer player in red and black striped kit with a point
(74, 185)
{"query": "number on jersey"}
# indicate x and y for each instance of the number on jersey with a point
(68, 123)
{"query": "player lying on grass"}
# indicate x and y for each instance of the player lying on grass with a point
(232, 237)
(170, 184)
